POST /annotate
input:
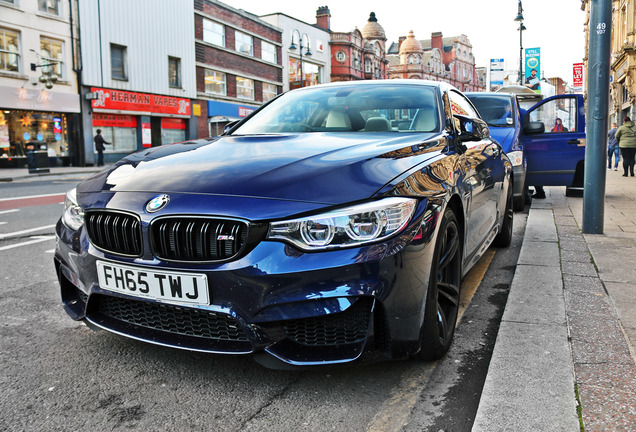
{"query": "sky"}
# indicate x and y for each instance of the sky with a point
(555, 26)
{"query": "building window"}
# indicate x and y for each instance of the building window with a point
(52, 54)
(268, 52)
(269, 91)
(49, 6)
(244, 88)
(9, 51)
(213, 33)
(174, 72)
(215, 82)
(243, 43)
(118, 62)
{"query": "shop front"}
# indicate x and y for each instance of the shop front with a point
(38, 120)
(131, 121)
(221, 113)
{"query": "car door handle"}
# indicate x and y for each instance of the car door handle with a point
(574, 142)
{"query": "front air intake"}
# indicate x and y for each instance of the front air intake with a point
(115, 232)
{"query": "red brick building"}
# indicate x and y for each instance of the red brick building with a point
(356, 55)
(447, 59)
(238, 64)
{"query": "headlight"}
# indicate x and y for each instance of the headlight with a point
(73, 216)
(351, 226)
(516, 157)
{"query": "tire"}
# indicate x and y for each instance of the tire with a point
(519, 203)
(442, 299)
(504, 238)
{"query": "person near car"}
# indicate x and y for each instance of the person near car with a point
(626, 137)
(558, 126)
(99, 146)
(612, 147)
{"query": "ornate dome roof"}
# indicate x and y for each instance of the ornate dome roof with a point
(373, 30)
(411, 45)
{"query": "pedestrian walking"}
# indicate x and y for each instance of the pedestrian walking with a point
(626, 137)
(99, 146)
(612, 148)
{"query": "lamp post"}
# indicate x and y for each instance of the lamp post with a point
(519, 18)
(302, 39)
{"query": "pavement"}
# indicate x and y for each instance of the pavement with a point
(565, 358)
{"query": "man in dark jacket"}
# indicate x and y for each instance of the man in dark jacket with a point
(99, 146)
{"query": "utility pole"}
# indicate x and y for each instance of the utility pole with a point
(597, 115)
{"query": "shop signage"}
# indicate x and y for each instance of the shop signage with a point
(120, 100)
(173, 123)
(229, 110)
(146, 135)
(114, 120)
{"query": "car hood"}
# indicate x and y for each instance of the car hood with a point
(505, 136)
(328, 168)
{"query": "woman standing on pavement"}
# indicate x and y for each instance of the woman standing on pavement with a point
(626, 137)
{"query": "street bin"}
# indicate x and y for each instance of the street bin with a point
(38, 162)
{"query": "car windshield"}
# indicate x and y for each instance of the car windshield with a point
(349, 108)
(496, 110)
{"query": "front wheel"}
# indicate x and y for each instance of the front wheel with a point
(442, 299)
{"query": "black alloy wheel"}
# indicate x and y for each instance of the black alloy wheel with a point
(442, 302)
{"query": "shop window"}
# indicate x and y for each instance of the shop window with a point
(119, 130)
(21, 131)
(269, 91)
(243, 43)
(49, 6)
(268, 52)
(215, 82)
(244, 88)
(52, 54)
(213, 33)
(118, 62)
(172, 130)
(174, 72)
(9, 51)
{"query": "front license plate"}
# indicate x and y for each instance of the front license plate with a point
(170, 286)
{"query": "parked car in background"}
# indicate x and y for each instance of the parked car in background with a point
(501, 112)
(545, 142)
(333, 224)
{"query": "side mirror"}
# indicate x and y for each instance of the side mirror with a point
(472, 129)
(533, 128)
(228, 127)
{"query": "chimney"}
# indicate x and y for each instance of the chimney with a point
(400, 40)
(436, 40)
(323, 18)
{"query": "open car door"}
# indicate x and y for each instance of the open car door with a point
(554, 142)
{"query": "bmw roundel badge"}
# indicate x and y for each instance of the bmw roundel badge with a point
(157, 203)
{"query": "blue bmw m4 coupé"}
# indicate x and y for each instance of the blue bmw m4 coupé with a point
(332, 225)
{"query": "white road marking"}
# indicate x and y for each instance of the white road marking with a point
(26, 231)
(30, 196)
(9, 211)
(50, 251)
(36, 239)
(3, 223)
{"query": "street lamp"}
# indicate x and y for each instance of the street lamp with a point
(519, 18)
(301, 39)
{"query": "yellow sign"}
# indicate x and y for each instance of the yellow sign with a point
(196, 109)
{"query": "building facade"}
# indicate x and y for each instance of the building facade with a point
(356, 55)
(623, 58)
(238, 64)
(305, 48)
(39, 102)
(138, 74)
(447, 59)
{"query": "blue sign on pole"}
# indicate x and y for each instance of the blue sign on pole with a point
(533, 69)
